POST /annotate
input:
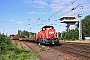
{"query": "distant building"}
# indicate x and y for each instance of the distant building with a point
(70, 20)
(7, 34)
(87, 38)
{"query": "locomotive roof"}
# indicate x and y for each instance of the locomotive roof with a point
(47, 26)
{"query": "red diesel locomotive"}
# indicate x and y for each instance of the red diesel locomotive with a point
(47, 35)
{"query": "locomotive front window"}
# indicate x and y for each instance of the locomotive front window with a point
(43, 28)
(48, 28)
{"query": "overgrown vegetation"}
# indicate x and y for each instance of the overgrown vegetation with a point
(9, 51)
(42, 48)
(70, 35)
(67, 58)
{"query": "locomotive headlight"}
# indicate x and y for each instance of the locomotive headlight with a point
(51, 32)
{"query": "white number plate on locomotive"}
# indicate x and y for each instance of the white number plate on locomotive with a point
(51, 32)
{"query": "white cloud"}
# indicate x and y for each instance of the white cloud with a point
(54, 5)
(57, 5)
(13, 20)
(27, 1)
(60, 2)
(55, 1)
(38, 6)
(56, 8)
(35, 3)
(32, 12)
(19, 22)
(67, 5)
(40, 2)
(86, 7)
(37, 12)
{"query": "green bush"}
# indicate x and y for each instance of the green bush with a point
(70, 35)
(9, 51)
(42, 48)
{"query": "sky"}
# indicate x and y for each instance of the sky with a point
(32, 15)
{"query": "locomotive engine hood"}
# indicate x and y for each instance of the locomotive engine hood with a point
(50, 31)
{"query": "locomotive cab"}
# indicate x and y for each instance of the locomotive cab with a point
(47, 35)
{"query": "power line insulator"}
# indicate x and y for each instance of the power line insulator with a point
(55, 20)
(49, 19)
(38, 18)
(73, 9)
(79, 15)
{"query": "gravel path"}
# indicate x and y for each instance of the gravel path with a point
(49, 53)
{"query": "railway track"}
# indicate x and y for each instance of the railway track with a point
(27, 45)
(81, 51)
(78, 50)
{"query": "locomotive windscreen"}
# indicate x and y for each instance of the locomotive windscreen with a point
(47, 28)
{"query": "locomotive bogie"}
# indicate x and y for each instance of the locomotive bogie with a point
(48, 40)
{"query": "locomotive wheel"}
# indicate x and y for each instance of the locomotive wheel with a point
(41, 43)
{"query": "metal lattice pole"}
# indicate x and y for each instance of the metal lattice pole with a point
(80, 25)
(80, 29)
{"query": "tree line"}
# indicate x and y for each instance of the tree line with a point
(26, 34)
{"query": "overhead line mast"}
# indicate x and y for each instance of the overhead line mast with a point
(80, 24)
